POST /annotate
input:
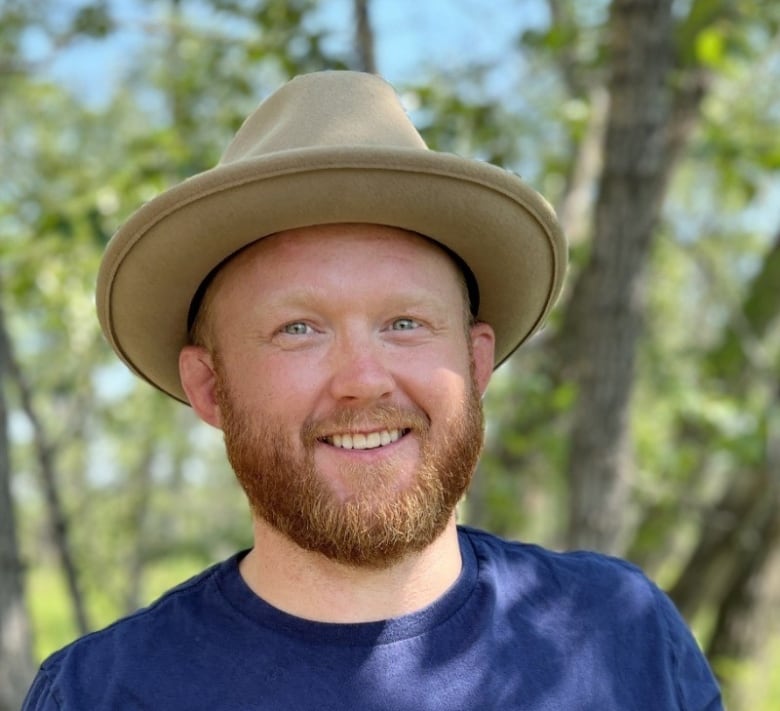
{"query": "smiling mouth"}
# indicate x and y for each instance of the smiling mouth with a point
(359, 440)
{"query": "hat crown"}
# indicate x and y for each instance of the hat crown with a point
(325, 109)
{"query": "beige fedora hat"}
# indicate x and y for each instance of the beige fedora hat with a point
(327, 147)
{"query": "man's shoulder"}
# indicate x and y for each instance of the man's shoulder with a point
(573, 560)
(582, 606)
(148, 628)
(587, 576)
(591, 592)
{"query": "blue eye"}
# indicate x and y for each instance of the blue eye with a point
(297, 328)
(404, 324)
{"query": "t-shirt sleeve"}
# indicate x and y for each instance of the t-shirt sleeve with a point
(697, 689)
(40, 696)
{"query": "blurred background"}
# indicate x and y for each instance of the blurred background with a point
(644, 421)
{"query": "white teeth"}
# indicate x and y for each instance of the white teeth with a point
(338, 441)
(364, 441)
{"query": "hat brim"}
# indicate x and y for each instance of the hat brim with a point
(505, 231)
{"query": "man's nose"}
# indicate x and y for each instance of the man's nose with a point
(361, 369)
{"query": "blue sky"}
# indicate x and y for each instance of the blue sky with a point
(410, 34)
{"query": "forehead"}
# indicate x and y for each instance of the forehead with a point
(349, 250)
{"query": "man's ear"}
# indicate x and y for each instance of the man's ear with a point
(483, 346)
(199, 380)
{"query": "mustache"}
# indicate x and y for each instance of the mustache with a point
(350, 419)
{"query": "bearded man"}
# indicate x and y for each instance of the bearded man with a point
(334, 297)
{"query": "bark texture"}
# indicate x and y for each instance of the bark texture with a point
(364, 38)
(605, 311)
(57, 520)
(16, 662)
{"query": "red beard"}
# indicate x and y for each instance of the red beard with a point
(379, 522)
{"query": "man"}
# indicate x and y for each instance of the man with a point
(334, 297)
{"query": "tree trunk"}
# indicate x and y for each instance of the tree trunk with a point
(364, 37)
(741, 623)
(747, 608)
(58, 525)
(728, 538)
(603, 320)
(140, 489)
(16, 659)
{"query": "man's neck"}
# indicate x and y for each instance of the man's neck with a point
(310, 586)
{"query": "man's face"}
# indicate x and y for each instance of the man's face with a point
(348, 387)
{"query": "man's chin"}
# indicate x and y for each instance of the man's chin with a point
(370, 486)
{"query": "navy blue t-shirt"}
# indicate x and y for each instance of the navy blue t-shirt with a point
(522, 628)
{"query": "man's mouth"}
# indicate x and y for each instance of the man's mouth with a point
(368, 440)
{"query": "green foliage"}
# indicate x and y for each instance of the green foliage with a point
(93, 20)
(754, 685)
(526, 452)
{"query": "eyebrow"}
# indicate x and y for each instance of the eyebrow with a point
(469, 281)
